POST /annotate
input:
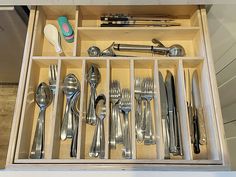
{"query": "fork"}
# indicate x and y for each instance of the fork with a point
(125, 105)
(147, 95)
(53, 78)
(116, 131)
(138, 110)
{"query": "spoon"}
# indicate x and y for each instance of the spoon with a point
(53, 37)
(75, 111)
(43, 98)
(93, 77)
(98, 144)
(70, 86)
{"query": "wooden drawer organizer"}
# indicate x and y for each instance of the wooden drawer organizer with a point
(39, 54)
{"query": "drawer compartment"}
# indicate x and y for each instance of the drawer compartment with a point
(127, 70)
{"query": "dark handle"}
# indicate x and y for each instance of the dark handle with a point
(196, 134)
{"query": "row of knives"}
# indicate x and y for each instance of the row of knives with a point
(170, 118)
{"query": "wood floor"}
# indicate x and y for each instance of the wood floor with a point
(7, 104)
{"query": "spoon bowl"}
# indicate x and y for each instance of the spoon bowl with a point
(43, 95)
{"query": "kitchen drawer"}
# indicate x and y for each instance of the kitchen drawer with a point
(39, 54)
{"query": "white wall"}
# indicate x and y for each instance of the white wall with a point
(222, 27)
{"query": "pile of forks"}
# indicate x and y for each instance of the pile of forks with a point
(144, 93)
(120, 128)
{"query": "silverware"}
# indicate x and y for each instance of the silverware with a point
(98, 144)
(75, 114)
(139, 123)
(53, 78)
(43, 98)
(188, 88)
(93, 77)
(116, 131)
(147, 95)
(164, 116)
(70, 86)
(198, 106)
(170, 87)
(125, 105)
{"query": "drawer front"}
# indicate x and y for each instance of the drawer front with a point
(39, 54)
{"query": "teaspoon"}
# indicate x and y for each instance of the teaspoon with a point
(70, 86)
(93, 77)
(43, 98)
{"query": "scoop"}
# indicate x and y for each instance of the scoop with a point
(53, 37)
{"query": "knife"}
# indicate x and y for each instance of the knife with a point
(164, 116)
(188, 89)
(171, 108)
(198, 106)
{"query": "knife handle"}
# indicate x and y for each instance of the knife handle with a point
(196, 134)
(190, 115)
(201, 125)
(173, 148)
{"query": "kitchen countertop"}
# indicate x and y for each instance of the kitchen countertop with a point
(112, 2)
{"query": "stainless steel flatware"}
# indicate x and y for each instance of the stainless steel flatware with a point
(174, 126)
(43, 98)
(139, 121)
(70, 86)
(164, 116)
(53, 78)
(75, 114)
(125, 105)
(188, 88)
(97, 148)
(116, 131)
(93, 78)
(198, 106)
(147, 95)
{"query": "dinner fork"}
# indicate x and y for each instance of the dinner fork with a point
(138, 110)
(53, 78)
(116, 130)
(125, 105)
(147, 94)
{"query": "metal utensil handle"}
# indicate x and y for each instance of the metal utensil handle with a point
(179, 144)
(113, 128)
(119, 128)
(201, 125)
(95, 146)
(37, 151)
(74, 139)
(191, 129)
(138, 118)
(91, 116)
(67, 125)
(131, 47)
(165, 131)
(127, 153)
(102, 140)
(149, 131)
(173, 148)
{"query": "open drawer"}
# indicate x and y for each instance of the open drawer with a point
(39, 54)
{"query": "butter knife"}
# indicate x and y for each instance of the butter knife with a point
(164, 116)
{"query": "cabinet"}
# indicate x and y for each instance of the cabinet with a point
(39, 54)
